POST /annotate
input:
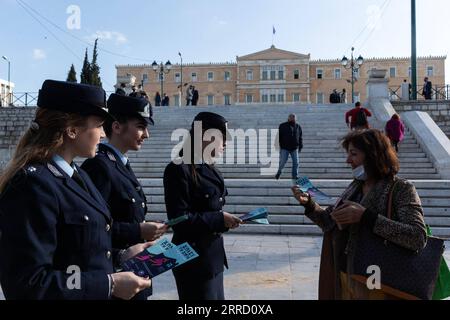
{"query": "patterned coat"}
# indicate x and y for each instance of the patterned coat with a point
(407, 228)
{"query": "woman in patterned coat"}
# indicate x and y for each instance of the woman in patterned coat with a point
(374, 164)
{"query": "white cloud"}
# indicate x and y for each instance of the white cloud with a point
(117, 37)
(39, 54)
(220, 21)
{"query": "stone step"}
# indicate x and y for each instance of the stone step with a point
(285, 175)
(303, 170)
(302, 219)
(320, 183)
(284, 201)
(143, 163)
(268, 192)
(289, 209)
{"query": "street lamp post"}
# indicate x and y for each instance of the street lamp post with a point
(354, 67)
(181, 82)
(9, 78)
(162, 69)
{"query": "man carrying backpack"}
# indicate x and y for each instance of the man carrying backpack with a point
(358, 117)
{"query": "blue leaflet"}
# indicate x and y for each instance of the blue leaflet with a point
(159, 258)
(306, 186)
(258, 216)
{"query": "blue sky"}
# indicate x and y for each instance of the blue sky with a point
(207, 31)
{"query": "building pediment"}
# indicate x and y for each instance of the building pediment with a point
(273, 54)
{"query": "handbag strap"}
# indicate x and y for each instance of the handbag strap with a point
(391, 195)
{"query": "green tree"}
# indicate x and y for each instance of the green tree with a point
(72, 76)
(85, 76)
(95, 69)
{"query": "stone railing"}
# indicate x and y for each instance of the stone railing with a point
(439, 111)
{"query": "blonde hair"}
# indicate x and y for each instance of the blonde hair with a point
(40, 142)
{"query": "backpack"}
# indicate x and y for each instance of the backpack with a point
(361, 118)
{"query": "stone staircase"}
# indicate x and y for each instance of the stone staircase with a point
(322, 160)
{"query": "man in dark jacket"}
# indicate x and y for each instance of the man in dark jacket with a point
(426, 91)
(291, 143)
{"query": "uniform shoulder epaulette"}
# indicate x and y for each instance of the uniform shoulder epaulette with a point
(53, 170)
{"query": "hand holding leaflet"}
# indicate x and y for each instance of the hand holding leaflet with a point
(258, 216)
(306, 186)
(177, 220)
(159, 258)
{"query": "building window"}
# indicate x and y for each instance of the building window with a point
(145, 78)
(356, 73)
(281, 98)
(265, 98)
(249, 98)
(272, 74)
(194, 76)
(319, 98)
(296, 97)
(210, 76)
(227, 99)
(337, 74)
(177, 77)
(430, 71)
(392, 72)
(227, 76)
(319, 73)
(210, 99)
(249, 75)
(296, 74)
(280, 75)
(273, 98)
(264, 75)
(409, 72)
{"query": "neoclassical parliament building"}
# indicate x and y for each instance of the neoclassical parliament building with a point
(275, 76)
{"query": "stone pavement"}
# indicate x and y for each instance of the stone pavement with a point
(264, 267)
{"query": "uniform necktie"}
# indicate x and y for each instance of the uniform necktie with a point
(77, 178)
(127, 165)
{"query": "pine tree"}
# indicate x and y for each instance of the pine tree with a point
(95, 69)
(72, 76)
(85, 76)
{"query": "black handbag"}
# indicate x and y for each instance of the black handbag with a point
(405, 274)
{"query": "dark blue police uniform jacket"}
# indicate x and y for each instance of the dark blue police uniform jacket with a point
(49, 223)
(122, 191)
(202, 200)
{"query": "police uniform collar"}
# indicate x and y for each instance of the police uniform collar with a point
(113, 153)
(62, 164)
(54, 170)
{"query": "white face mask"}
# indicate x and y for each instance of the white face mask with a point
(359, 173)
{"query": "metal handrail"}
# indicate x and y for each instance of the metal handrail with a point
(438, 92)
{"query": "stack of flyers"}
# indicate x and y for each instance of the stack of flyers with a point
(258, 216)
(159, 258)
(306, 186)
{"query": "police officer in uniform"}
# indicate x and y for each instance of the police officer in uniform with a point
(55, 226)
(194, 187)
(113, 176)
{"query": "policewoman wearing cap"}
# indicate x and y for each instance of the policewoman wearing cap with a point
(194, 187)
(113, 176)
(55, 226)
